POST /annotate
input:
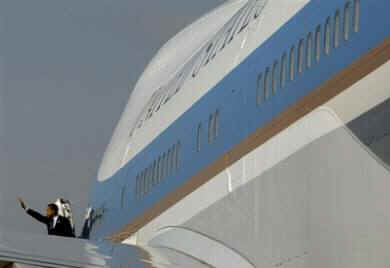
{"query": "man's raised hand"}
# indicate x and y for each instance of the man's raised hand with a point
(22, 204)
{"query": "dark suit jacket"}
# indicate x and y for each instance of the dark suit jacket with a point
(62, 227)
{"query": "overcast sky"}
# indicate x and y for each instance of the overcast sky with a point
(66, 67)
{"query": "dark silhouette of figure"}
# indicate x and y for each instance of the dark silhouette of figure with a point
(56, 224)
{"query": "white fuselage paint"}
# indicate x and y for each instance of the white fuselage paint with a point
(185, 218)
(331, 116)
(122, 148)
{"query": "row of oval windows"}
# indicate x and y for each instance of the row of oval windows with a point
(213, 130)
(166, 164)
(270, 81)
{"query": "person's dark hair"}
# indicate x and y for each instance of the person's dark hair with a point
(54, 207)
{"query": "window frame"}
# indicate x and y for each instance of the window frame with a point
(336, 29)
(210, 128)
(317, 43)
(300, 58)
(347, 21)
(283, 70)
(177, 156)
(169, 154)
(291, 73)
(266, 82)
(123, 192)
(143, 183)
(147, 180)
(274, 81)
(137, 187)
(198, 137)
(356, 16)
(259, 89)
(163, 171)
(327, 36)
(216, 125)
(154, 176)
(159, 164)
(167, 165)
(172, 164)
(309, 50)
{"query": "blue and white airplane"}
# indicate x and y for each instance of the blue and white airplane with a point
(259, 136)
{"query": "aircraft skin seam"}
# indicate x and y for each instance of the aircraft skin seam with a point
(359, 69)
(212, 239)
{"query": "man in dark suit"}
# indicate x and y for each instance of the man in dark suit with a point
(56, 224)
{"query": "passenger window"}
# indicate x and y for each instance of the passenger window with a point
(177, 160)
(356, 16)
(154, 172)
(283, 70)
(166, 171)
(259, 90)
(216, 124)
(173, 158)
(336, 32)
(169, 162)
(274, 77)
(143, 183)
(347, 19)
(140, 185)
(318, 43)
(266, 83)
(137, 190)
(327, 37)
(150, 178)
(309, 50)
(159, 169)
(146, 180)
(151, 182)
(210, 131)
(300, 56)
(198, 137)
(292, 63)
(151, 173)
(164, 161)
(123, 191)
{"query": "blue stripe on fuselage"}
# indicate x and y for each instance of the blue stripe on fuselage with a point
(235, 97)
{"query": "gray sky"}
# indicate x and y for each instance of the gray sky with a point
(65, 71)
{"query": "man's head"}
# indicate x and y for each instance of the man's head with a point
(52, 210)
